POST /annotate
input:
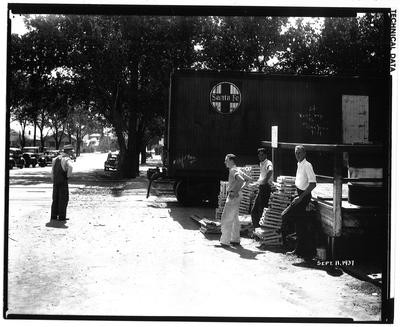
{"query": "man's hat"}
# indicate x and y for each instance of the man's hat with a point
(68, 147)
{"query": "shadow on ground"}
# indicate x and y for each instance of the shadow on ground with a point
(182, 216)
(243, 252)
(332, 271)
(97, 177)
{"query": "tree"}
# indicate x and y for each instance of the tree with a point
(34, 56)
(299, 47)
(59, 109)
(354, 46)
(124, 63)
(239, 43)
(340, 46)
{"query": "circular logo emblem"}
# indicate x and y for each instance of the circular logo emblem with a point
(225, 97)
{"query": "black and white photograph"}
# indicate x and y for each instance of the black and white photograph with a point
(200, 162)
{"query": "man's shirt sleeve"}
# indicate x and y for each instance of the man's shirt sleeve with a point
(310, 174)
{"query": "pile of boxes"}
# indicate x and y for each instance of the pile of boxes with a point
(211, 226)
(247, 200)
(208, 226)
(246, 225)
(223, 193)
(271, 220)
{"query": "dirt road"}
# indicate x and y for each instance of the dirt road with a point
(123, 254)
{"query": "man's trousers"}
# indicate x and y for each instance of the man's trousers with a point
(260, 202)
(60, 200)
(230, 225)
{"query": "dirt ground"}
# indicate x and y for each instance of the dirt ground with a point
(122, 254)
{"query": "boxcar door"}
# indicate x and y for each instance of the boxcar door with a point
(355, 120)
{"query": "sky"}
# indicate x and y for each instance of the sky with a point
(17, 25)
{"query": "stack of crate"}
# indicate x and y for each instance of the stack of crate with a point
(271, 220)
(246, 225)
(247, 192)
(208, 226)
(285, 184)
(247, 201)
(268, 236)
(223, 193)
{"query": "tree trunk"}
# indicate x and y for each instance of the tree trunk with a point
(41, 136)
(55, 135)
(78, 142)
(143, 153)
(22, 135)
(22, 138)
(141, 147)
(34, 133)
(129, 161)
(130, 165)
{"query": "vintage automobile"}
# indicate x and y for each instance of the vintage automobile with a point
(112, 161)
(30, 159)
(50, 155)
(37, 153)
(72, 155)
(15, 158)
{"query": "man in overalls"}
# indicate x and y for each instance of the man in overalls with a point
(60, 172)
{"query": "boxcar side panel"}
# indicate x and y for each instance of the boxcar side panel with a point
(306, 108)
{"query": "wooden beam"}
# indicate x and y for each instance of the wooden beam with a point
(362, 180)
(335, 148)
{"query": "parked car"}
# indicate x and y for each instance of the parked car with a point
(16, 159)
(42, 161)
(35, 152)
(111, 162)
(50, 155)
(30, 159)
(72, 155)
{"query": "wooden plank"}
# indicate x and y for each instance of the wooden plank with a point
(327, 221)
(338, 148)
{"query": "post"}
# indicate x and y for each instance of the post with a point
(273, 162)
(274, 145)
(337, 199)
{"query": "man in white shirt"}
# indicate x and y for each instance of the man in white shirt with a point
(305, 183)
(61, 170)
(263, 183)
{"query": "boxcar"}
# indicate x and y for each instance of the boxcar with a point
(215, 113)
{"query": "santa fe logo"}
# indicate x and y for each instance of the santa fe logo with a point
(225, 97)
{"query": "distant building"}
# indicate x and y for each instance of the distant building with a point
(50, 142)
(91, 142)
(14, 139)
